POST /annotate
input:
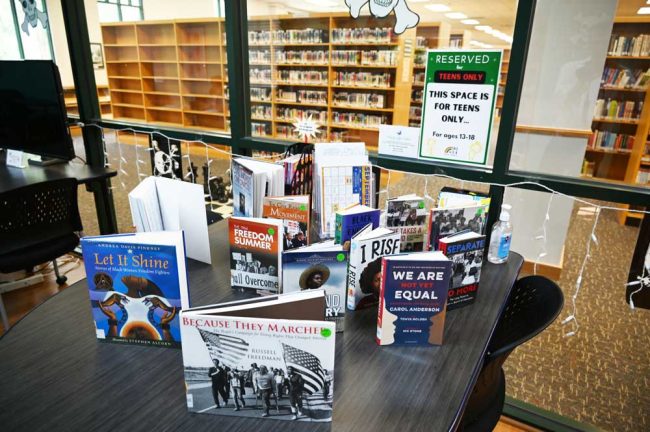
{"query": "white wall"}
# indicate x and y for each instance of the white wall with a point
(60, 41)
(563, 70)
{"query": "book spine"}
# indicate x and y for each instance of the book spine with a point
(338, 232)
(380, 309)
(352, 271)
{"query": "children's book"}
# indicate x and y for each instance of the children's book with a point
(465, 250)
(413, 298)
(444, 222)
(320, 265)
(251, 181)
(255, 252)
(352, 219)
(268, 356)
(367, 248)
(137, 285)
(407, 215)
(295, 214)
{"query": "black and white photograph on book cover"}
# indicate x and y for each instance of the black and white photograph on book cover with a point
(445, 222)
(466, 268)
(245, 374)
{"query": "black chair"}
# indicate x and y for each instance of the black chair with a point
(533, 305)
(38, 223)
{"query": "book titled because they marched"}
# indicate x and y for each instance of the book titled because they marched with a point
(269, 357)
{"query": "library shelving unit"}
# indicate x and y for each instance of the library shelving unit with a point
(103, 95)
(621, 161)
(167, 72)
(460, 39)
(348, 75)
(427, 36)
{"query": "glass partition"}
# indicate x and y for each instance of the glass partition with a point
(312, 60)
(161, 63)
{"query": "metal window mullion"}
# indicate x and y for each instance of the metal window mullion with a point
(238, 75)
(21, 50)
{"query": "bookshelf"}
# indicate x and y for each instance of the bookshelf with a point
(427, 36)
(70, 98)
(167, 72)
(348, 75)
(618, 148)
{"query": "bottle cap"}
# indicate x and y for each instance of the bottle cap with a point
(505, 216)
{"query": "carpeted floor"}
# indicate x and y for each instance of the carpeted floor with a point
(600, 376)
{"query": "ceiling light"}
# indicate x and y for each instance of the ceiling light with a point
(643, 11)
(469, 21)
(483, 27)
(456, 15)
(438, 7)
(419, 1)
(492, 32)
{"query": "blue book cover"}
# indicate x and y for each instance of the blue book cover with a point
(413, 297)
(309, 268)
(242, 190)
(137, 288)
(348, 224)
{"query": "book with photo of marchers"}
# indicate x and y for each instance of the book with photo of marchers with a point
(270, 357)
(407, 215)
(255, 253)
(295, 214)
(444, 222)
(320, 265)
(465, 250)
(137, 285)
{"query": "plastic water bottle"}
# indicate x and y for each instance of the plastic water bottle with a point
(501, 237)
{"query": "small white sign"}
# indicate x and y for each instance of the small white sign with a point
(399, 141)
(15, 159)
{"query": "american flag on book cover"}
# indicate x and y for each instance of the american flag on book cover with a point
(227, 349)
(307, 365)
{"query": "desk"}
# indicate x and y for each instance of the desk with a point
(55, 375)
(95, 179)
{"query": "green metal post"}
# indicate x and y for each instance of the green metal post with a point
(76, 29)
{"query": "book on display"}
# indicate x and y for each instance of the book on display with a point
(137, 285)
(270, 357)
(465, 250)
(407, 215)
(251, 181)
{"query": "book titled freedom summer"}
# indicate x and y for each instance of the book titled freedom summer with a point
(255, 251)
(137, 285)
(413, 299)
(269, 357)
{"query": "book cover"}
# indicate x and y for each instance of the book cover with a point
(295, 214)
(341, 187)
(412, 299)
(447, 221)
(348, 224)
(249, 361)
(137, 286)
(407, 215)
(255, 250)
(312, 269)
(243, 190)
(364, 269)
(466, 255)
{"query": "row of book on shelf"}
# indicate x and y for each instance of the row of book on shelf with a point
(625, 78)
(618, 109)
(633, 46)
(610, 141)
(301, 77)
(314, 35)
(411, 264)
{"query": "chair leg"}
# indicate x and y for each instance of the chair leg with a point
(59, 279)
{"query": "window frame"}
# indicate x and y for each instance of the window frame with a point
(120, 5)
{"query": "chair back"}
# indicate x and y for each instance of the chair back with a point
(534, 303)
(39, 212)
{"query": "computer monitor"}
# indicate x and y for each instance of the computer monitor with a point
(32, 109)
